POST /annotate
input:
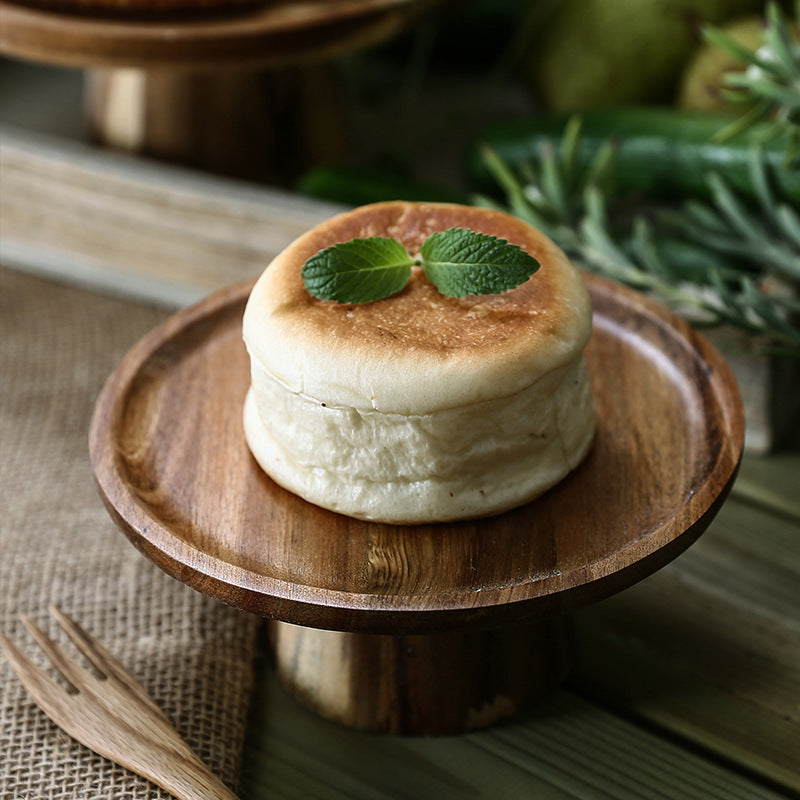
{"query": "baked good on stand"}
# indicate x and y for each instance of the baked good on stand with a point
(419, 407)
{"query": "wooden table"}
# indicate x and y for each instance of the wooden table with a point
(687, 684)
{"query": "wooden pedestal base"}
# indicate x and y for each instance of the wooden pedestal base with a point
(254, 124)
(422, 684)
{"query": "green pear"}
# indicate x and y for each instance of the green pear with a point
(704, 75)
(592, 53)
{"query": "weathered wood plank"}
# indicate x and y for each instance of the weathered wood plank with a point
(567, 748)
(151, 230)
(709, 647)
(772, 483)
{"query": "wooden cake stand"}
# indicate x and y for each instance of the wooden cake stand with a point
(425, 629)
(246, 90)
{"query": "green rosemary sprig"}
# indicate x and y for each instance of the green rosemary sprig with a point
(769, 239)
(550, 195)
(717, 262)
(770, 86)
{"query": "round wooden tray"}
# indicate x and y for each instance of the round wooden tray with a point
(172, 464)
(276, 32)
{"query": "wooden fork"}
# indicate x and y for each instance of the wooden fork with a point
(110, 713)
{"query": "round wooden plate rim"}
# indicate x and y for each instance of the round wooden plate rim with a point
(273, 596)
(241, 35)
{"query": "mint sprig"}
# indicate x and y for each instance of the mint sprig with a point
(458, 261)
(358, 271)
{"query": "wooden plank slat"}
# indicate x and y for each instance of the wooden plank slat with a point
(567, 748)
(160, 232)
(709, 647)
(772, 483)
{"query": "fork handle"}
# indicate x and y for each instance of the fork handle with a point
(188, 779)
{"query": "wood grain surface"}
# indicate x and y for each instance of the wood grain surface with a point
(708, 649)
(141, 228)
(172, 464)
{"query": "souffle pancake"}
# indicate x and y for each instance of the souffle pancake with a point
(419, 407)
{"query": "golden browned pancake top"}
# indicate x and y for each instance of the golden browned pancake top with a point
(418, 335)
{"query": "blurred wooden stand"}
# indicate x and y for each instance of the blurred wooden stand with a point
(250, 93)
(261, 125)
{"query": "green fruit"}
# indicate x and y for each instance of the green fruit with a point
(704, 74)
(592, 53)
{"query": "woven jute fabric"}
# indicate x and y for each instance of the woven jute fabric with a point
(58, 545)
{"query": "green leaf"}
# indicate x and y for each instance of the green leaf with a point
(788, 221)
(460, 262)
(512, 187)
(778, 38)
(570, 149)
(358, 271)
(760, 181)
(602, 167)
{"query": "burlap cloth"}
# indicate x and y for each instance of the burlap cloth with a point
(58, 545)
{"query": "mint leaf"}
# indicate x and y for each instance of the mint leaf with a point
(458, 261)
(358, 271)
(461, 262)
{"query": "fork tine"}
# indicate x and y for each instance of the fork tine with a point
(38, 683)
(103, 660)
(70, 671)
